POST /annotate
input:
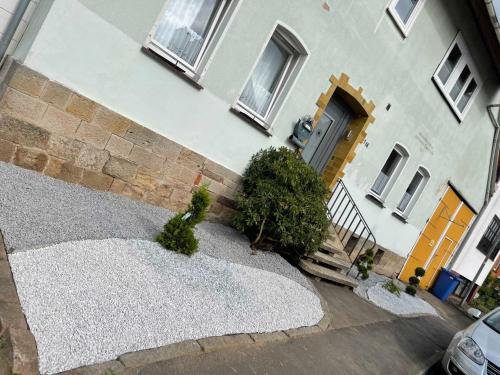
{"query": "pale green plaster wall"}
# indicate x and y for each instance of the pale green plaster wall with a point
(94, 47)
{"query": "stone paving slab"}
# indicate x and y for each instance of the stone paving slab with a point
(210, 344)
(106, 368)
(164, 353)
(264, 338)
(23, 351)
(11, 315)
(303, 331)
(24, 354)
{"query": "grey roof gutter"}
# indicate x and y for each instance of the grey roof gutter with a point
(493, 16)
(12, 27)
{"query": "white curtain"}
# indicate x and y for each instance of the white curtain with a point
(259, 90)
(184, 27)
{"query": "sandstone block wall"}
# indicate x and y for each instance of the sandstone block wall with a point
(50, 129)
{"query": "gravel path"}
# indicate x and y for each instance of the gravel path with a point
(89, 301)
(404, 305)
(37, 211)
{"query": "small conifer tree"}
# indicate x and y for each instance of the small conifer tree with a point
(415, 281)
(178, 233)
(365, 264)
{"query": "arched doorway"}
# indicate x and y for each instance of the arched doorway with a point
(341, 119)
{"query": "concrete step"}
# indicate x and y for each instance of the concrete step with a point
(333, 260)
(327, 273)
(333, 246)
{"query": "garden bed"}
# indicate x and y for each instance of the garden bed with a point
(93, 285)
(90, 301)
(372, 289)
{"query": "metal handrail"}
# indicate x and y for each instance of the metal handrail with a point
(348, 213)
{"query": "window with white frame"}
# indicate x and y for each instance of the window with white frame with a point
(390, 171)
(272, 76)
(186, 29)
(490, 237)
(413, 192)
(457, 77)
(405, 12)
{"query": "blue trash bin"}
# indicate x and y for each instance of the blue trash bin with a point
(445, 284)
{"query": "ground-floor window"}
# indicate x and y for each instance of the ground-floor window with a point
(272, 77)
(186, 31)
(413, 192)
(390, 171)
(489, 238)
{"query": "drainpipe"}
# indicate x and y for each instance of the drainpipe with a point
(12, 27)
(490, 190)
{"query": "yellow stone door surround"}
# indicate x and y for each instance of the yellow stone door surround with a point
(362, 109)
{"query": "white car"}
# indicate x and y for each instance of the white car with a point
(476, 349)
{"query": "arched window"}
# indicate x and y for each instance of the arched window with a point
(413, 192)
(390, 172)
(272, 77)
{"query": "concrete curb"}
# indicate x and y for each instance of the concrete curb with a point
(22, 346)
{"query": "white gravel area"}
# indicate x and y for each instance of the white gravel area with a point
(37, 211)
(404, 305)
(89, 301)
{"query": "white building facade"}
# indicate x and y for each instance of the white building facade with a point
(167, 94)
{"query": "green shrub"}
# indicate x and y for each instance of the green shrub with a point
(488, 295)
(393, 288)
(199, 206)
(282, 203)
(178, 236)
(365, 264)
(178, 233)
(419, 272)
(411, 290)
(414, 280)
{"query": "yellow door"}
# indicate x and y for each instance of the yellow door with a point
(442, 254)
(439, 238)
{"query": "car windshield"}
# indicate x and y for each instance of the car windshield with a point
(493, 321)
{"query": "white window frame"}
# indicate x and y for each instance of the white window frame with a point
(219, 23)
(405, 155)
(404, 27)
(424, 172)
(465, 59)
(293, 67)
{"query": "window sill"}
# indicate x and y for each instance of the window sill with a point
(400, 217)
(251, 120)
(178, 71)
(375, 199)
